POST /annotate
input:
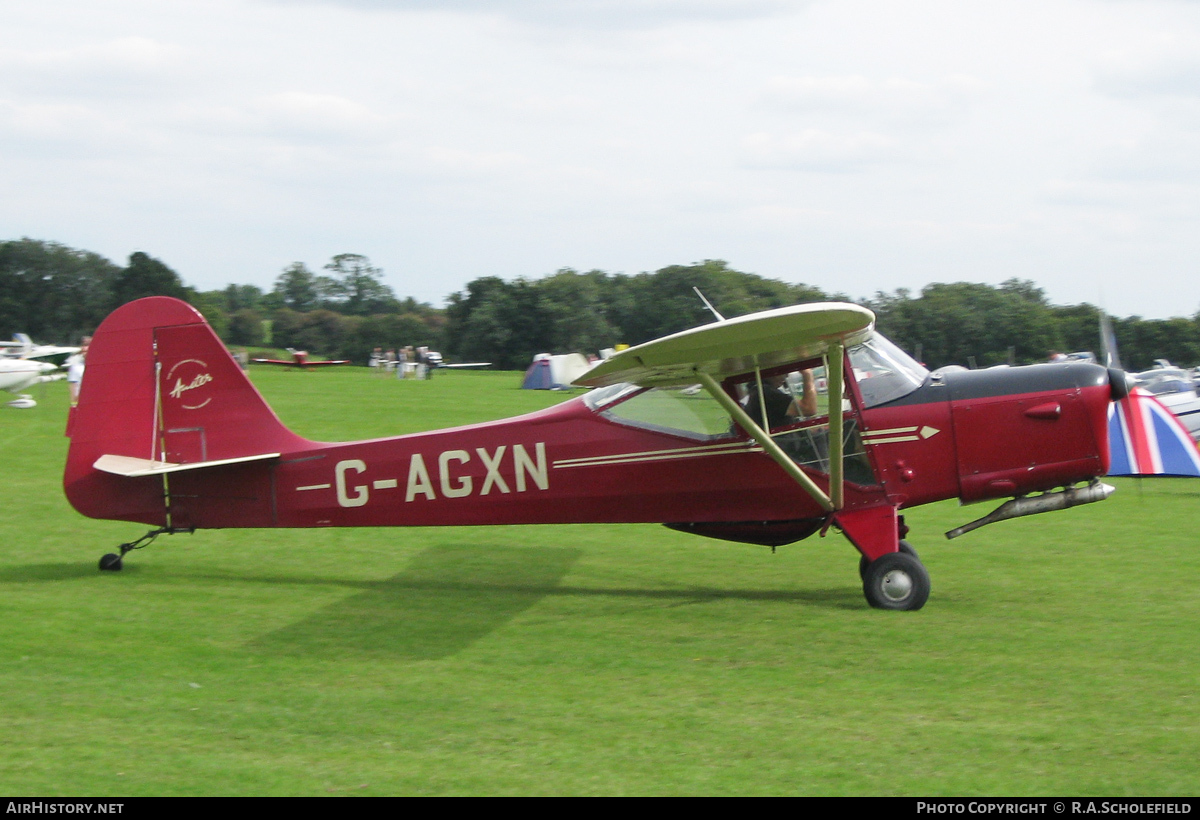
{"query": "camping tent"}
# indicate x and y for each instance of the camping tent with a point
(549, 372)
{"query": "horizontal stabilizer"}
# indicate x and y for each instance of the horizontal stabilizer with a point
(131, 467)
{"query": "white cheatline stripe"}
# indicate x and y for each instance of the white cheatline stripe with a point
(892, 431)
(659, 455)
(889, 436)
(315, 487)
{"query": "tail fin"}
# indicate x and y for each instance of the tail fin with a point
(160, 386)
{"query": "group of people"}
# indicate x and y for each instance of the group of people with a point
(406, 363)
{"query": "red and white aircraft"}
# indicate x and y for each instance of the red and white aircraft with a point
(300, 360)
(169, 432)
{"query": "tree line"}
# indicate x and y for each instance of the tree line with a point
(56, 293)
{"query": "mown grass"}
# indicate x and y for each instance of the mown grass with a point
(1057, 654)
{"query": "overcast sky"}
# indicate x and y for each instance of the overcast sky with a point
(855, 145)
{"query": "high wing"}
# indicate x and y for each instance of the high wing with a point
(749, 344)
(22, 347)
(302, 363)
(735, 346)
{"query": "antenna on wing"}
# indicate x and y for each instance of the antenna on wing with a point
(708, 304)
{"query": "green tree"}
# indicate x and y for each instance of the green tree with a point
(245, 328)
(146, 276)
(242, 297)
(52, 292)
(356, 286)
(297, 288)
(213, 308)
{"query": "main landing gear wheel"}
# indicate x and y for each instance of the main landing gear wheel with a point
(905, 548)
(111, 562)
(896, 581)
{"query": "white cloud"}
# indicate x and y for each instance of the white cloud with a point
(858, 94)
(612, 14)
(103, 68)
(816, 150)
(855, 144)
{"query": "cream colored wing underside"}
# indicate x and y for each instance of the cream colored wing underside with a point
(734, 346)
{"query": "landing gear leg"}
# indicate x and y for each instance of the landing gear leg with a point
(896, 578)
(864, 562)
(112, 562)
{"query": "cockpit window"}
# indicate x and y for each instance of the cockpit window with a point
(884, 372)
(604, 396)
(684, 411)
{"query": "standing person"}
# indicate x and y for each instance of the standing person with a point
(75, 365)
(422, 363)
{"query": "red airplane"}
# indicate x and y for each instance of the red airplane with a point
(693, 430)
(300, 359)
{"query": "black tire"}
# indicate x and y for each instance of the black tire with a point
(896, 581)
(905, 548)
(111, 562)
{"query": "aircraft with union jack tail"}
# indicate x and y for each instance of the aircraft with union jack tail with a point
(695, 430)
(1147, 439)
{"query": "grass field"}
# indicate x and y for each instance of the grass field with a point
(1058, 654)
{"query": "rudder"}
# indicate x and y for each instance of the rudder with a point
(160, 385)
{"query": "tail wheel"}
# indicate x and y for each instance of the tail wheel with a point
(896, 581)
(111, 562)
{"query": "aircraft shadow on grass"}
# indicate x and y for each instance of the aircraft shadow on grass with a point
(451, 596)
(40, 573)
(447, 598)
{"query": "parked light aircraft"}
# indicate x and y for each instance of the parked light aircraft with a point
(300, 360)
(169, 432)
(1176, 389)
(22, 347)
(19, 374)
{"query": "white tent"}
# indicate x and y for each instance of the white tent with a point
(549, 372)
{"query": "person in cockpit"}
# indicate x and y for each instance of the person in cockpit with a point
(782, 407)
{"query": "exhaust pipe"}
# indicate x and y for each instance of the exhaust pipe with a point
(1046, 502)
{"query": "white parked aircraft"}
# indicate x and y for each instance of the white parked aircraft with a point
(1176, 389)
(22, 347)
(18, 374)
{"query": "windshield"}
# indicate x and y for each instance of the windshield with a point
(884, 372)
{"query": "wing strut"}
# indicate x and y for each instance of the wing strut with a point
(833, 368)
(768, 444)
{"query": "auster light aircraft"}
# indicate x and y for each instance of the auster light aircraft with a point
(169, 432)
(300, 360)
